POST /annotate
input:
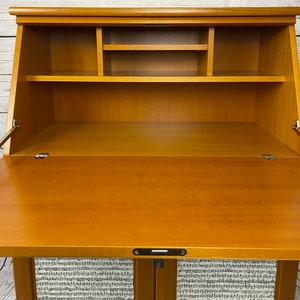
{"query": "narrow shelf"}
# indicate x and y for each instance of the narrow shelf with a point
(203, 139)
(131, 47)
(152, 78)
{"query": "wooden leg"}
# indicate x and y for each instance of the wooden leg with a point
(155, 283)
(24, 273)
(143, 279)
(286, 279)
(166, 281)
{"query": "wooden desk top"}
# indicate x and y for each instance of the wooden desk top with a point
(106, 206)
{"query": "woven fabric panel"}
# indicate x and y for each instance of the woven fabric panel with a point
(112, 279)
(226, 279)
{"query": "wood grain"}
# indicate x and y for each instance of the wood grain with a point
(261, 20)
(24, 278)
(156, 76)
(206, 139)
(286, 279)
(105, 206)
(157, 12)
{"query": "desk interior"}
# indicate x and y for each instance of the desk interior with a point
(202, 139)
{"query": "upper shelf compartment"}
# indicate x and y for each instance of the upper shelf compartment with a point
(58, 51)
(155, 39)
(153, 54)
(256, 51)
(155, 51)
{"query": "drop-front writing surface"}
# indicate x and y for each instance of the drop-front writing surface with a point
(107, 206)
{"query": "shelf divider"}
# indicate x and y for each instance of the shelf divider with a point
(210, 52)
(99, 51)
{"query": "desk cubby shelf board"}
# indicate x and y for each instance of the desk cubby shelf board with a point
(160, 78)
(171, 133)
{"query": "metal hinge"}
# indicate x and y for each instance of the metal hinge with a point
(15, 125)
(296, 127)
(269, 156)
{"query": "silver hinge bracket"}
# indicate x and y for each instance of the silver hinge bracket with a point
(296, 127)
(269, 156)
(4, 139)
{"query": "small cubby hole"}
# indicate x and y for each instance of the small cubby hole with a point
(59, 50)
(158, 62)
(257, 50)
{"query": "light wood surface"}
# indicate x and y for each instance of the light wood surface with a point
(24, 272)
(101, 99)
(206, 139)
(144, 279)
(155, 283)
(146, 77)
(166, 281)
(106, 206)
(280, 105)
(286, 279)
(154, 47)
(159, 11)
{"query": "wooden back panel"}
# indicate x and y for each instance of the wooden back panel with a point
(154, 102)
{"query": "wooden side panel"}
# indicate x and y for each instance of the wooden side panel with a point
(30, 104)
(24, 273)
(296, 73)
(14, 80)
(286, 279)
(276, 105)
(33, 110)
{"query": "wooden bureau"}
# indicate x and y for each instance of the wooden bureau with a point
(153, 133)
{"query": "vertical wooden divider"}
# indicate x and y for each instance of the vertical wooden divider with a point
(286, 278)
(210, 50)
(99, 40)
(143, 279)
(154, 283)
(166, 281)
(24, 273)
